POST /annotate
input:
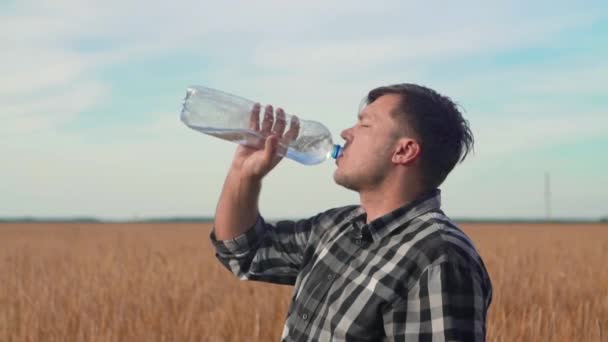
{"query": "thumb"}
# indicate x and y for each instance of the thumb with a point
(270, 148)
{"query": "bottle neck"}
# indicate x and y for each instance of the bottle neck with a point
(336, 152)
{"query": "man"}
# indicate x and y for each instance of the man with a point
(393, 268)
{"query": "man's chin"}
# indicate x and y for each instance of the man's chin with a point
(342, 181)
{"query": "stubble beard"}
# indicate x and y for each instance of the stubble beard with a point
(364, 179)
(345, 181)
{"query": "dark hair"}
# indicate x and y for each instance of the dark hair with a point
(436, 123)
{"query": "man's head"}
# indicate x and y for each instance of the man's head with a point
(403, 128)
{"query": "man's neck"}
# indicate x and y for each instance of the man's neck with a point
(382, 201)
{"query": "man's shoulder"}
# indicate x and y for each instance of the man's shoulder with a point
(440, 239)
(339, 214)
(330, 219)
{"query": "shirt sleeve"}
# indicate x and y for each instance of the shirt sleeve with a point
(267, 252)
(448, 303)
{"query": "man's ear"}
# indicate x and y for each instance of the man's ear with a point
(406, 151)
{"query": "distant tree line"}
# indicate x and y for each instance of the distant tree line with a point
(96, 220)
(205, 219)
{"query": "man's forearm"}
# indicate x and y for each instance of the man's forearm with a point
(237, 208)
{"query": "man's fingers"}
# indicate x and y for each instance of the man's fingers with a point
(254, 120)
(279, 124)
(293, 131)
(268, 121)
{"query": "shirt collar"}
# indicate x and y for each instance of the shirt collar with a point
(382, 226)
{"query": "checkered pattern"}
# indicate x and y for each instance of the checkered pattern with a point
(411, 275)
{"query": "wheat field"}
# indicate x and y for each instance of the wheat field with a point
(161, 282)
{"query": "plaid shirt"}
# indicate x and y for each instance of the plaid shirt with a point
(410, 275)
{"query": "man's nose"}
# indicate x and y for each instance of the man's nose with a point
(346, 134)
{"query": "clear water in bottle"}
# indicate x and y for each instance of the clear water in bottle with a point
(228, 116)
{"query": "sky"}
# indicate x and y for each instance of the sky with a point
(91, 92)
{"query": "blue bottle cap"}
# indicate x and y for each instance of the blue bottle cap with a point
(337, 151)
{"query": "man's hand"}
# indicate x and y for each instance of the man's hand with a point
(237, 207)
(255, 163)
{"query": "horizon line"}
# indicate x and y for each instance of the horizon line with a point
(207, 219)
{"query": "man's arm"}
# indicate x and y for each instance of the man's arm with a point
(268, 252)
(449, 302)
(237, 207)
(244, 242)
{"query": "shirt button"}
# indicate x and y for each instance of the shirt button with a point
(358, 242)
(304, 316)
(330, 276)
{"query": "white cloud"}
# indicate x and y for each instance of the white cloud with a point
(316, 57)
(48, 109)
(506, 137)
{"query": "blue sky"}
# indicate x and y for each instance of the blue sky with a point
(91, 92)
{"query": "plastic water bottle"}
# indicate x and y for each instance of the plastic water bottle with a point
(228, 117)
